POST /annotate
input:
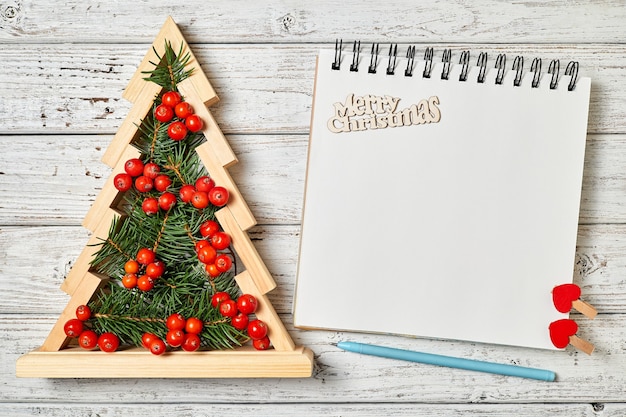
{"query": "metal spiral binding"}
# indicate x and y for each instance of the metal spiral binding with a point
(518, 67)
(410, 60)
(535, 68)
(482, 63)
(572, 69)
(464, 60)
(501, 66)
(393, 54)
(338, 46)
(554, 70)
(447, 61)
(356, 50)
(373, 59)
(428, 57)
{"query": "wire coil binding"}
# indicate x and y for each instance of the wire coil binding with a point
(428, 57)
(464, 60)
(482, 63)
(410, 61)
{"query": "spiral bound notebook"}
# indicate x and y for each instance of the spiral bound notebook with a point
(441, 199)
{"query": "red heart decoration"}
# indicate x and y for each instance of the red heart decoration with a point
(561, 330)
(563, 295)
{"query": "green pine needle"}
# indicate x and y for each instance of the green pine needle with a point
(185, 287)
(170, 70)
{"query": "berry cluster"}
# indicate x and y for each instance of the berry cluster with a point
(87, 338)
(181, 332)
(185, 333)
(172, 105)
(146, 177)
(207, 249)
(143, 271)
(238, 311)
(203, 192)
(168, 188)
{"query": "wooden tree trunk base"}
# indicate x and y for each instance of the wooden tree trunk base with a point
(243, 362)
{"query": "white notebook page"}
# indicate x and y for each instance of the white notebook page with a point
(456, 229)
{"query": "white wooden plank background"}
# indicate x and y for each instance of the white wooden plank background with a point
(63, 66)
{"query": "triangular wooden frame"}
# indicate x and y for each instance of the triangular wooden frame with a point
(54, 359)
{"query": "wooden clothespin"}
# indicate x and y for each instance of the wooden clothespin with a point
(563, 333)
(567, 296)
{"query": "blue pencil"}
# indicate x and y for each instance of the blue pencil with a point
(448, 361)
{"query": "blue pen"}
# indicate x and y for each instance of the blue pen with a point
(448, 361)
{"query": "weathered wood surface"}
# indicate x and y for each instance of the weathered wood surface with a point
(296, 21)
(312, 410)
(65, 174)
(30, 286)
(263, 88)
(344, 377)
(64, 66)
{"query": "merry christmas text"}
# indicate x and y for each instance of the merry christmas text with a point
(380, 112)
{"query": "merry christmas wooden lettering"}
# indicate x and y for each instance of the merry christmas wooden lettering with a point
(360, 113)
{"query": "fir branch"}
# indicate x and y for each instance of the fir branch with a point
(158, 239)
(129, 318)
(170, 69)
(153, 319)
(117, 248)
(129, 314)
(191, 236)
(155, 135)
(185, 287)
(182, 158)
(153, 139)
(174, 167)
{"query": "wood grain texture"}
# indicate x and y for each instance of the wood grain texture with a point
(33, 286)
(82, 294)
(262, 88)
(277, 332)
(242, 362)
(318, 410)
(295, 21)
(345, 377)
(270, 177)
(64, 67)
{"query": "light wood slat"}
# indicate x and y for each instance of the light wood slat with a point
(246, 251)
(295, 21)
(82, 294)
(277, 332)
(142, 93)
(263, 88)
(129, 128)
(32, 287)
(215, 139)
(237, 205)
(71, 175)
(344, 377)
(269, 176)
(171, 34)
(243, 362)
(82, 263)
(417, 409)
(105, 200)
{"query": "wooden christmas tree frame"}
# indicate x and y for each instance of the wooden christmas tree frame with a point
(57, 359)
